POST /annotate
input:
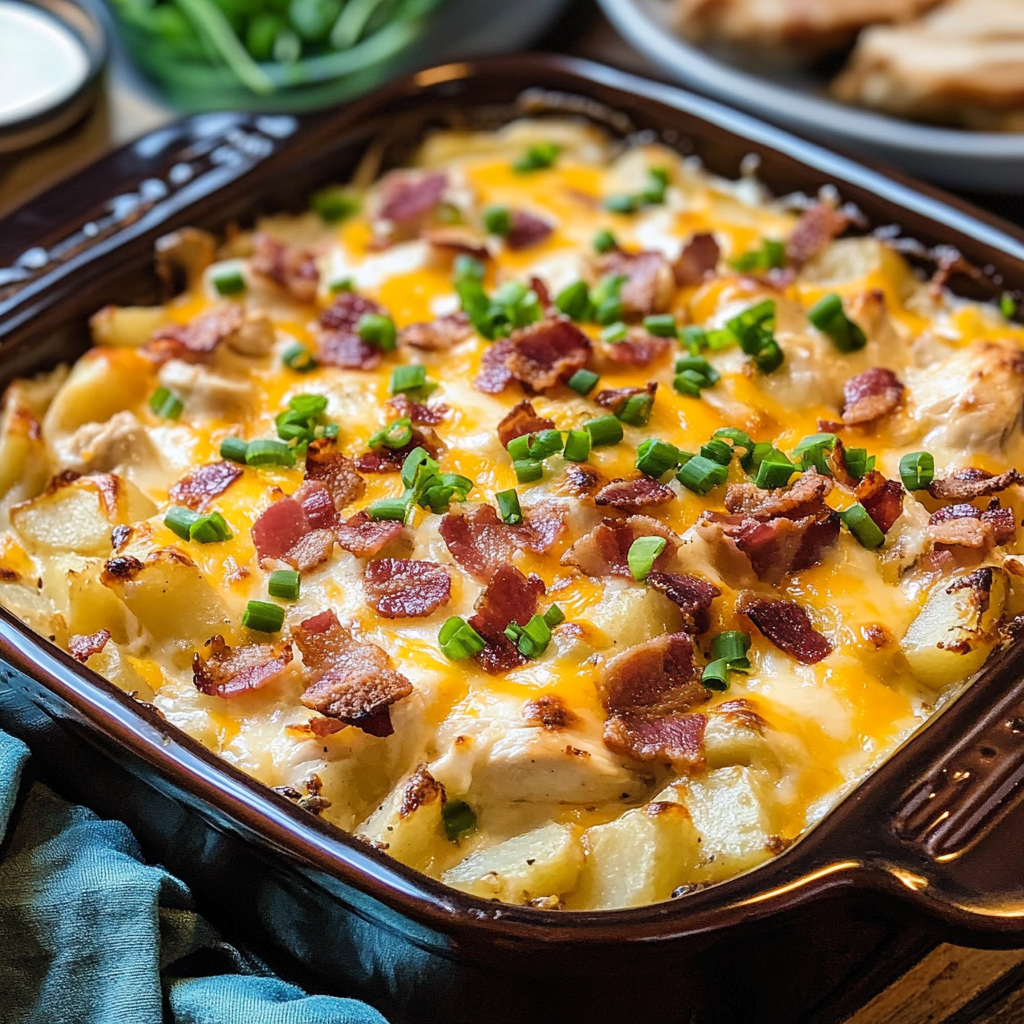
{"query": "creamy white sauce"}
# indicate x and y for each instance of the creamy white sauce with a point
(41, 62)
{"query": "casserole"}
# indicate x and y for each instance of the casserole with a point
(878, 848)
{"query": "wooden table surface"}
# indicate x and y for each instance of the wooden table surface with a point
(951, 984)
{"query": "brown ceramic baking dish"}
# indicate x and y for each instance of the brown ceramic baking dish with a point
(934, 837)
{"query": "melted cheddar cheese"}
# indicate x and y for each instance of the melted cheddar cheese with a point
(471, 786)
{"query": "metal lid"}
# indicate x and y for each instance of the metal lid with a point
(51, 55)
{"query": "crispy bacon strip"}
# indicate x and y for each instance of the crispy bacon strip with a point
(325, 464)
(698, 260)
(527, 230)
(389, 460)
(805, 498)
(614, 399)
(494, 375)
(882, 498)
(438, 335)
(338, 341)
(201, 485)
(788, 627)
(288, 266)
(692, 595)
(82, 646)
(317, 505)
(450, 240)
(968, 484)
(640, 348)
(408, 197)
(603, 551)
(634, 495)
(508, 597)
(649, 281)
(871, 395)
(547, 353)
(677, 739)
(815, 229)
(310, 550)
(970, 527)
(426, 415)
(197, 340)
(405, 587)
(228, 672)
(363, 536)
(522, 419)
(279, 528)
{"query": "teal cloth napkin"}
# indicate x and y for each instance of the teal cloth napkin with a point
(91, 934)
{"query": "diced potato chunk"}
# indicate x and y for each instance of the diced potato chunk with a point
(112, 664)
(103, 381)
(956, 629)
(544, 862)
(409, 821)
(635, 614)
(125, 326)
(735, 735)
(23, 459)
(92, 606)
(638, 858)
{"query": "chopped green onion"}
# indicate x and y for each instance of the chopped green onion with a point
(661, 325)
(754, 330)
(615, 333)
(655, 458)
(263, 617)
(642, 554)
(468, 268)
(604, 241)
(716, 675)
(577, 446)
(604, 430)
(308, 405)
(606, 299)
(768, 358)
(583, 382)
(688, 383)
(621, 204)
(233, 448)
(771, 256)
(862, 526)
(536, 446)
(179, 521)
(166, 405)
(538, 157)
(828, 316)
(378, 330)
(228, 282)
(532, 639)
(262, 452)
(774, 470)
(718, 340)
(417, 467)
(334, 204)
(694, 338)
(917, 470)
(209, 529)
(718, 451)
(701, 474)
(730, 655)
(1007, 305)
(497, 220)
(389, 508)
(397, 434)
(698, 365)
(574, 301)
(508, 507)
(732, 645)
(284, 583)
(636, 410)
(554, 616)
(298, 358)
(858, 462)
(341, 284)
(810, 452)
(458, 818)
(459, 640)
(740, 439)
(528, 470)
(407, 378)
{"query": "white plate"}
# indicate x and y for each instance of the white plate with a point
(983, 161)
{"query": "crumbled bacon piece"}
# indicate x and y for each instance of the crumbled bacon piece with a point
(548, 711)
(540, 289)
(677, 739)
(199, 486)
(494, 375)
(82, 646)
(389, 460)
(317, 505)
(230, 671)
(363, 536)
(508, 597)
(656, 677)
(522, 419)
(882, 498)
(815, 229)
(649, 281)
(288, 266)
(603, 551)
(527, 230)
(970, 527)
(547, 353)
(438, 335)
(197, 340)
(614, 399)
(408, 197)
(692, 595)
(870, 396)
(697, 261)
(427, 415)
(640, 348)
(634, 495)
(338, 341)
(310, 550)
(279, 528)
(804, 498)
(354, 682)
(450, 240)
(788, 627)
(405, 587)
(337, 473)
(968, 484)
